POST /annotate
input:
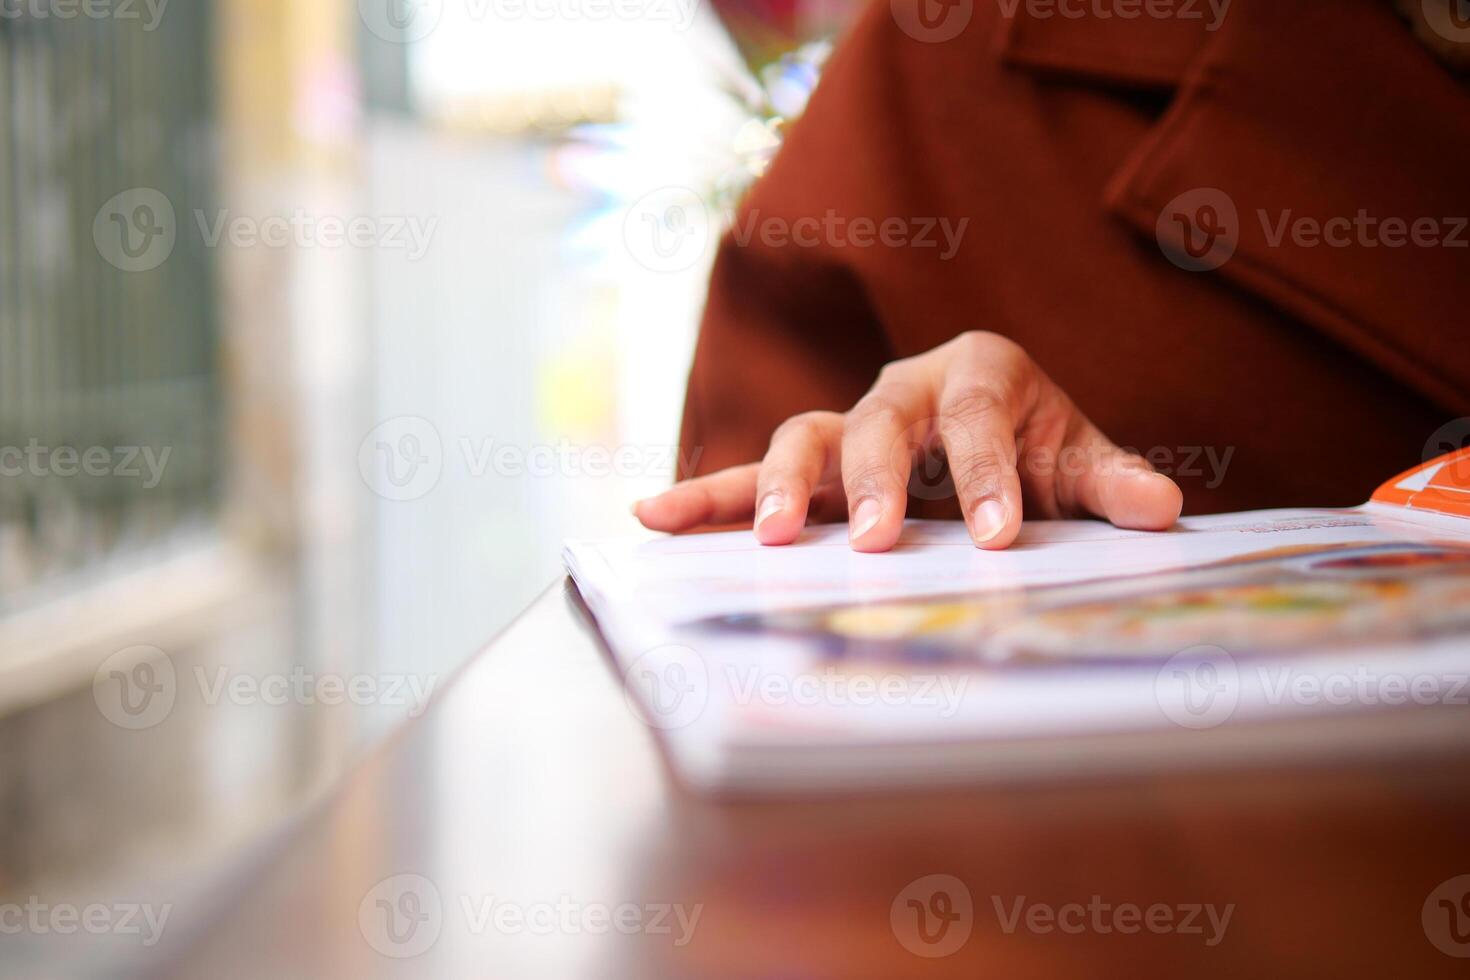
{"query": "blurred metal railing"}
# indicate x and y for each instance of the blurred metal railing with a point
(102, 365)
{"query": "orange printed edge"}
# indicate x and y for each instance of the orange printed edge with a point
(1441, 485)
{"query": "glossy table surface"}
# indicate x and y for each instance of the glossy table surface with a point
(526, 826)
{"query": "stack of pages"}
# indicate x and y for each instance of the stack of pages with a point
(1232, 638)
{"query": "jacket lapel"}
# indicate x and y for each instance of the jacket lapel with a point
(1315, 154)
(1138, 51)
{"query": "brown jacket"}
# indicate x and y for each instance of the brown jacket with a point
(1079, 151)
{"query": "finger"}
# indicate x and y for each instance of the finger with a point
(1119, 486)
(978, 428)
(802, 456)
(877, 455)
(726, 497)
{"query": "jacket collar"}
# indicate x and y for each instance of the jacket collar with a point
(1292, 122)
(1081, 38)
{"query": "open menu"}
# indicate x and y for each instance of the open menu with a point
(1229, 639)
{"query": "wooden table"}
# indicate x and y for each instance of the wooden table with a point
(529, 789)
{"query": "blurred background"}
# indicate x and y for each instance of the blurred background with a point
(321, 326)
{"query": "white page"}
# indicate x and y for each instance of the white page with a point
(653, 599)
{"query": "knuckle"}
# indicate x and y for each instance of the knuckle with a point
(796, 425)
(982, 471)
(994, 349)
(897, 372)
(807, 426)
(867, 475)
(872, 409)
(973, 404)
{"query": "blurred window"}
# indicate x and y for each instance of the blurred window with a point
(109, 379)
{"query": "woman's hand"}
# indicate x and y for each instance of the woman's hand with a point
(974, 401)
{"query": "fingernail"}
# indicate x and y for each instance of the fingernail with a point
(989, 520)
(771, 505)
(865, 518)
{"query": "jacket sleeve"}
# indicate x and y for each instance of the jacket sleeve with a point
(787, 327)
